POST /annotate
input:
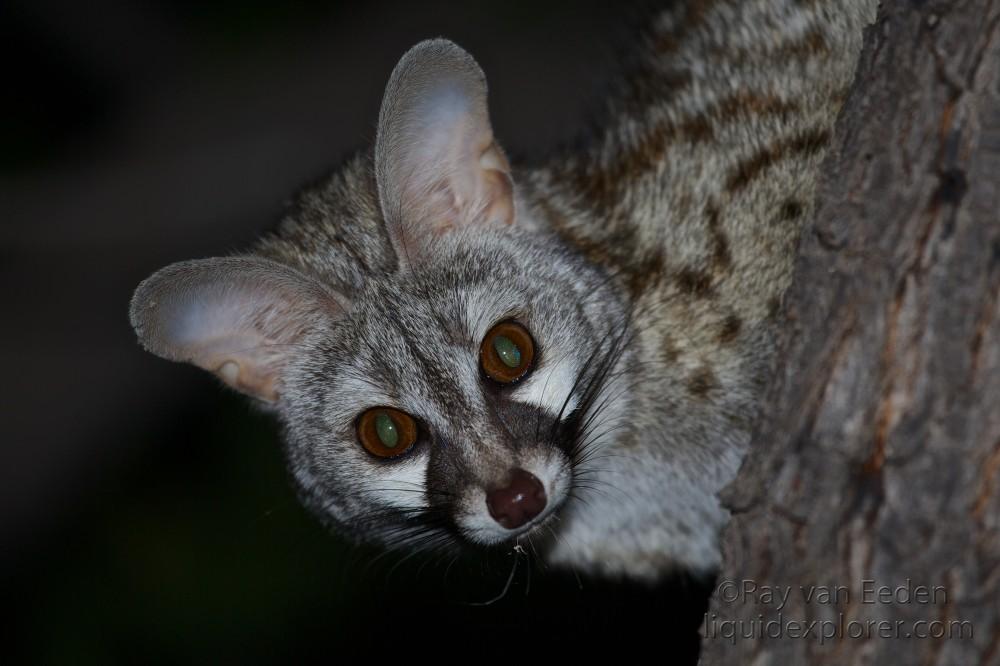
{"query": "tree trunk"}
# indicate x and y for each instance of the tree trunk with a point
(877, 463)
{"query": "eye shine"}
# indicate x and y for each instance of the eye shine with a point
(507, 351)
(386, 432)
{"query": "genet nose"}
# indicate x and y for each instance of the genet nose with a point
(521, 500)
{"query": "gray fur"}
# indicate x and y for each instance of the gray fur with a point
(649, 270)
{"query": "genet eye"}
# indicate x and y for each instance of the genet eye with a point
(386, 432)
(507, 352)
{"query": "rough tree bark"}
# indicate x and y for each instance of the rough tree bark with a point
(879, 459)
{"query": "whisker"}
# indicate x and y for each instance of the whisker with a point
(503, 592)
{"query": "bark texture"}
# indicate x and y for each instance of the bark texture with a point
(879, 457)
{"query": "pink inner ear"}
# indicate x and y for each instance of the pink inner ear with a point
(498, 186)
(252, 379)
(238, 317)
(437, 164)
(225, 333)
(464, 188)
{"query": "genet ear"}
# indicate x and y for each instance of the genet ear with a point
(239, 317)
(437, 164)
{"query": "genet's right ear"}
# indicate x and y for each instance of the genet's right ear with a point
(239, 317)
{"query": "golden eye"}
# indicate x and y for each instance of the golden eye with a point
(507, 352)
(386, 432)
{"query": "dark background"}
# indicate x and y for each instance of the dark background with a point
(145, 512)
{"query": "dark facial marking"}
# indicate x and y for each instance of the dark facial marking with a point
(518, 427)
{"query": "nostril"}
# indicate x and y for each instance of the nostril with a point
(519, 501)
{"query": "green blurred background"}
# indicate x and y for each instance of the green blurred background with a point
(146, 515)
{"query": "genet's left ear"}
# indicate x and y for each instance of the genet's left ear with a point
(437, 165)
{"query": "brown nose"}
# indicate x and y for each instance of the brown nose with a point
(520, 501)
